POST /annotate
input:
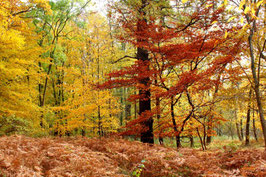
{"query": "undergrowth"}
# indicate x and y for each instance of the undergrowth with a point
(24, 156)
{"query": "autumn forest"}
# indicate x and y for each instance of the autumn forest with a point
(135, 88)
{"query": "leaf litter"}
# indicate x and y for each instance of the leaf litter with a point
(68, 157)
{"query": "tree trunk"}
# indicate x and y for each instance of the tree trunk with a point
(201, 141)
(100, 131)
(210, 120)
(145, 94)
(158, 114)
(238, 132)
(204, 138)
(209, 138)
(128, 111)
(241, 129)
(254, 125)
(254, 130)
(145, 101)
(248, 118)
(177, 134)
(256, 76)
(191, 141)
(135, 107)
(122, 112)
(127, 106)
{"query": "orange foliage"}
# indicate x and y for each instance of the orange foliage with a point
(22, 156)
(183, 55)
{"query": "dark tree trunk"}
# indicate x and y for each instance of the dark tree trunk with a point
(248, 118)
(158, 119)
(254, 130)
(241, 129)
(191, 141)
(135, 107)
(68, 133)
(209, 138)
(145, 100)
(145, 94)
(83, 133)
(145, 105)
(178, 142)
(100, 131)
(122, 112)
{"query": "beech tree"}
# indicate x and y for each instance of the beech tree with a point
(186, 46)
(19, 54)
(51, 27)
(87, 110)
(253, 17)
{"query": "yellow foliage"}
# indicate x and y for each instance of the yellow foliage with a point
(89, 56)
(19, 54)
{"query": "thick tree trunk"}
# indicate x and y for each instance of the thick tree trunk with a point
(144, 106)
(145, 94)
(145, 101)
(178, 141)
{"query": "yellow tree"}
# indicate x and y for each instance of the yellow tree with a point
(19, 55)
(89, 53)
(252, 15)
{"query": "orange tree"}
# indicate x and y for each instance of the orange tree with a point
(189, 45)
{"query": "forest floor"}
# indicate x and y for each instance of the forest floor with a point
(24, 156)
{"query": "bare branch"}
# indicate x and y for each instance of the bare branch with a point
(126, 56)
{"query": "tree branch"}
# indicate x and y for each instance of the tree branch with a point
(126, 56)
